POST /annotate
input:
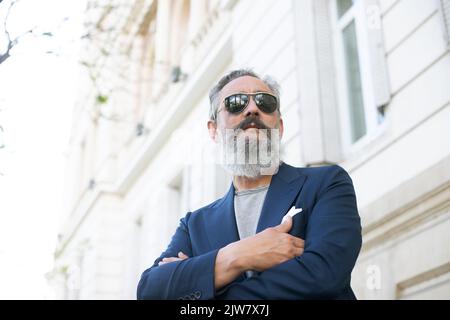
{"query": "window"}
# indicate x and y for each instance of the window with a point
(353, 81)
(362, 82)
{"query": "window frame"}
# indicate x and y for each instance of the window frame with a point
(374, 127)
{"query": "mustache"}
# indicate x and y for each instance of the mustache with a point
(247, 121)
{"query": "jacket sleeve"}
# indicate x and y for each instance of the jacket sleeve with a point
(192, 278)
(332, 244)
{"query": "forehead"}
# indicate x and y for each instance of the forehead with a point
(244, 84)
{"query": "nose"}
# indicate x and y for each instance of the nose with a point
(252, 109)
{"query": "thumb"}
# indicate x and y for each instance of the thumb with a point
(285, 225)
(181, 255)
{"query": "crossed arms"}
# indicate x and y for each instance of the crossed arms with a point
(259, 252)
(290, 268)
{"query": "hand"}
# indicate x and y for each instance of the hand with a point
(181, 256)
(259, 252)
(269, 248)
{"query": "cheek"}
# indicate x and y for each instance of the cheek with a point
(272, 121)
(228, 122)
(221, 125)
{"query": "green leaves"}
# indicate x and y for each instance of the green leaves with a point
(101, 99)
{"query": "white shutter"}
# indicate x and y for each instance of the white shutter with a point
(319, 117)
(377, 54)
(445, 13)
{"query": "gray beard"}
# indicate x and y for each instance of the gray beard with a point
(251, 156)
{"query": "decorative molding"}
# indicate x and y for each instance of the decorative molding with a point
(420, 199)
(423, 281)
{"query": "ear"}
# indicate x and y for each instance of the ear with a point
(212, 128)
(281, 128)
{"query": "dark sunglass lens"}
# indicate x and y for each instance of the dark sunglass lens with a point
(232, 101)
(266, 102)
(243, 100)
(236, 103)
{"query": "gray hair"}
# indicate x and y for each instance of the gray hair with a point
(215, 91)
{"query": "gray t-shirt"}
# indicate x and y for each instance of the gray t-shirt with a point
(247, 209)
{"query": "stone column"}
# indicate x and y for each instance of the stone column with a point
(198, 12)
(162, 37)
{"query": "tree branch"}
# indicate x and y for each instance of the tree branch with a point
(10, 44)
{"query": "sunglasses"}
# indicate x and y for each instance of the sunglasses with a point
(236, 103)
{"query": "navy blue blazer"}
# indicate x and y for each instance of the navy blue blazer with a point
(329, 223)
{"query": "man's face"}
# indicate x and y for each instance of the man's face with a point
(249, 139)
(226, 120)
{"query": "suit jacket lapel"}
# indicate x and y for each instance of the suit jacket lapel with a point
(221, 225)
(283, 190)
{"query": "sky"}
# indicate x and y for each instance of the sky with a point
(37, 96)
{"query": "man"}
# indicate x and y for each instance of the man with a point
(244, 246)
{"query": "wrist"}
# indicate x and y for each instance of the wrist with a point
(227, 259)
(229, 265)
(237, 260)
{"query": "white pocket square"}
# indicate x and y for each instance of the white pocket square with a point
(292, 212)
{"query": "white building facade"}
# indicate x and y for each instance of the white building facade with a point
(364, 84)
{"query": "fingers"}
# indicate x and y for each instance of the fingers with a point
(299, 251)
(296, 249)
(167, 260)
(181, 256)
(300, 243)
(285, 225)
(299, 246)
